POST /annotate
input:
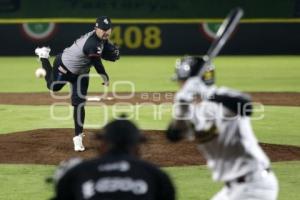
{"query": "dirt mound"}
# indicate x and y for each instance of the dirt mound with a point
(50, 146)
(267, 98)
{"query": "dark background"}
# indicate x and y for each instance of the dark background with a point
(249, 38)
(146, 8)
(262, 37)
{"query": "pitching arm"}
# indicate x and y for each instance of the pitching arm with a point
(96, 62)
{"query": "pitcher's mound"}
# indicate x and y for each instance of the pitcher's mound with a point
(50, 146)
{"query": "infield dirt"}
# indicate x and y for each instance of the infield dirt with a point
(267, 98)
(50, 146)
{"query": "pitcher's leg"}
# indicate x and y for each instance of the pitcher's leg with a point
(44, 53)
(79, 91)
(47, 66)
(54, 79)
(59, 77)
(79, 117)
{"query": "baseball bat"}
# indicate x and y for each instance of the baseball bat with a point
(223, 33)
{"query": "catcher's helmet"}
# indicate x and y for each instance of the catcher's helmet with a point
(190, 66)
(121, 133)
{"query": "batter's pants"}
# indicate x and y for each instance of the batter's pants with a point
(260, 185)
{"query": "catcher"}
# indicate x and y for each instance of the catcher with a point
(219, 120)
(73, 66)
(117, 173)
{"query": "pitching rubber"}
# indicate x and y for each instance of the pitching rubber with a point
(97, 98)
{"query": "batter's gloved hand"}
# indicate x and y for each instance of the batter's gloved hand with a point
(110, 52)
(174, 134)
(177, 130)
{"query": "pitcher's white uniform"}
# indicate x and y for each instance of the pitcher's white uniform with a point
(229, 145)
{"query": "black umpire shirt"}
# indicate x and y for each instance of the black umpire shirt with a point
(114, 176)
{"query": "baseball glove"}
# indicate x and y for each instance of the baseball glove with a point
(110, 52)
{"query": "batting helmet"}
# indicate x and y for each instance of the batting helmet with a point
(190, 66)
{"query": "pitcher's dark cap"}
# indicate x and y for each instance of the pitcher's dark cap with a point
(103, 23)
(121, 133)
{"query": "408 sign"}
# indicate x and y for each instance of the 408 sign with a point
(134, 37)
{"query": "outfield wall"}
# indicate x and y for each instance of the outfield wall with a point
(145, 8)
(157, 37)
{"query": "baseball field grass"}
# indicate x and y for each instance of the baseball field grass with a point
(148, 73)
(279, 124)
(24, 182)
(254, 73)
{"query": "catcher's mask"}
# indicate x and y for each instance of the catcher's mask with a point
(190, 66)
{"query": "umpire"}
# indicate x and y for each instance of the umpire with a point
(73, 66)
(118, 174)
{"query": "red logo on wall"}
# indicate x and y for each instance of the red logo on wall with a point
(39, 32)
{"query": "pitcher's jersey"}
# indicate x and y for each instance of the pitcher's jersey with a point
(77, 57)
(234, 150)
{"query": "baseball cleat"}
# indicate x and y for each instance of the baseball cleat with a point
(78, 146)
(42, 52)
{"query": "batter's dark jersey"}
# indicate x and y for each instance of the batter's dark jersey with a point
(83, 53)
(115, 176)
